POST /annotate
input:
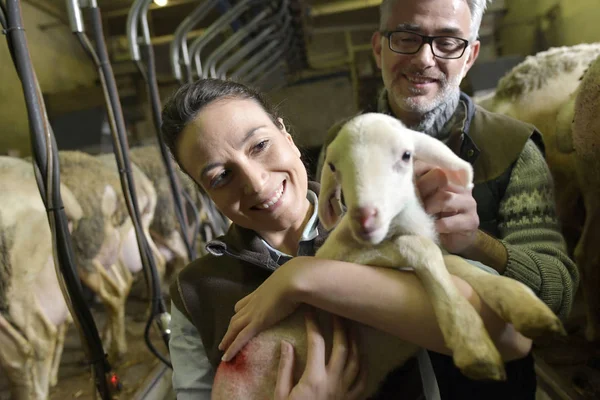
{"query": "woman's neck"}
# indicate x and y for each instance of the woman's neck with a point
(287, 240)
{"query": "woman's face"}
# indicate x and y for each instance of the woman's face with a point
(250, 168)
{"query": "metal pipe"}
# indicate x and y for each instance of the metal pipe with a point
(223, 69)
(230, 43)
(214, 29)
(215, 56)
(47, 171)
(121, 148)
(150, 78)
(132, 29)
(179, 43)
(273, 58)
(239, 73)
(232, 61)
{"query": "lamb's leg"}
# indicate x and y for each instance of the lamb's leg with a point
(17, 359)
(511, 300)
(463, 330)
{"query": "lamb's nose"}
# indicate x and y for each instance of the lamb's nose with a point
(365, 216)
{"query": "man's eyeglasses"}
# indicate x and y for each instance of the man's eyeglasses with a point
(447, 47)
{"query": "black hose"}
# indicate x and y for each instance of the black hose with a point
(46, 168)
(121, 148)
(3, 15)
(151, 81)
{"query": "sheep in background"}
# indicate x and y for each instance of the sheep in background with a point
(33, 314)
(585, 129)
(164, 227)
(371, 162)
(129, 260)
(543, 90)
(97, 239)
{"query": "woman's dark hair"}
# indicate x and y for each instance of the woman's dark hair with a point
(185, 104)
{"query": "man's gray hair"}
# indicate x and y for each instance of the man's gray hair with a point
(477, 8)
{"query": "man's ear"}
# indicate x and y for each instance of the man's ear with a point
(376, 45)
(473, 53)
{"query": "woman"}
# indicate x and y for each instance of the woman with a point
(233, 144)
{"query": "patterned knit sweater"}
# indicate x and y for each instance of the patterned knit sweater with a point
(530, 231)
(528, 225)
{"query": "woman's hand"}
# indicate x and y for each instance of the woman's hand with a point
(268, 304)
(342, 378)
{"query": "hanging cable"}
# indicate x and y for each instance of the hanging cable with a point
(46, 167)
(99, 55)
(138, 15)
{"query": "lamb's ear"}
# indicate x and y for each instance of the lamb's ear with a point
(330, 203)
(432, 151)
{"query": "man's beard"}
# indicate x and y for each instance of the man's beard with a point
(413, 104)
(433, 113)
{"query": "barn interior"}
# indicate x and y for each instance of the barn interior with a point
(314, 60)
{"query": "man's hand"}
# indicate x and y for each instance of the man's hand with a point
(452, 205)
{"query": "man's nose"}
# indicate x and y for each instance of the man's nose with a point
(424, 57)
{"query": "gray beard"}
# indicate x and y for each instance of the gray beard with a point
(432, 123)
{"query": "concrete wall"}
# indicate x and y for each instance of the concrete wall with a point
(534, 25)
(59, 63)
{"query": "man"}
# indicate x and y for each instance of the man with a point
(508, 223)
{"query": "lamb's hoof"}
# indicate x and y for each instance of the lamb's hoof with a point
(481, 362)
(519, 306)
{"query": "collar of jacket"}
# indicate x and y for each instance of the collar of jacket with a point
(245, 245)
(468, 150)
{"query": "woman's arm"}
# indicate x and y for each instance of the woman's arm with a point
(192, 373)
(386, 299)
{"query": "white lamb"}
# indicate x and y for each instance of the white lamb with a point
(371, 162)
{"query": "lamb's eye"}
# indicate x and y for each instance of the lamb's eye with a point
(331, 167)
(406, 156)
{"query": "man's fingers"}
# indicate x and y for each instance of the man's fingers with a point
(431, 181)
(449, 202)
(339, 352)
(456, 224)
(285, 373)
(315, 359)
(421, 168)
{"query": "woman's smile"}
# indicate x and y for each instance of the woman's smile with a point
(273, 201)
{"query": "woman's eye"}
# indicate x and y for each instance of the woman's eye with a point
(260, 146)
(220, 179)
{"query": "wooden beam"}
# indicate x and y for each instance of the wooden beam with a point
(50, 9)
(124, 11)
